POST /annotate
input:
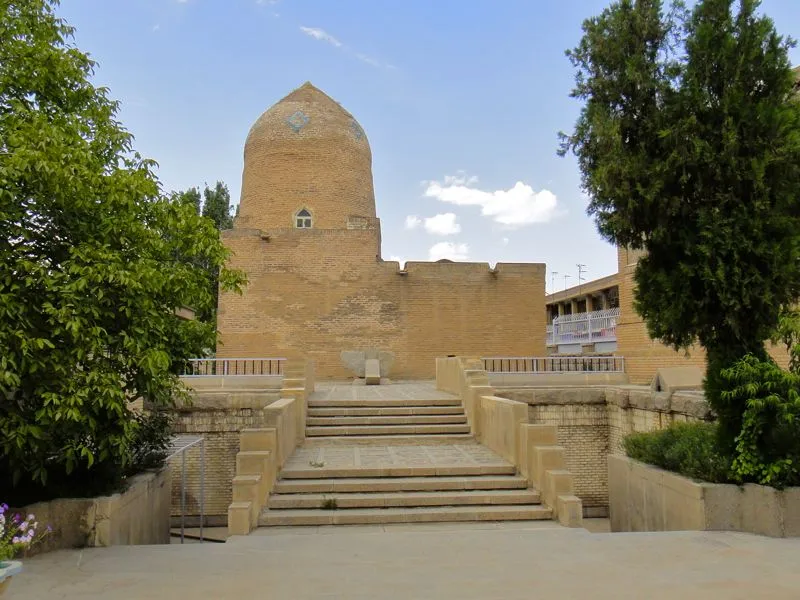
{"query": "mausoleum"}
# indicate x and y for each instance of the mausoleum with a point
(309, 238)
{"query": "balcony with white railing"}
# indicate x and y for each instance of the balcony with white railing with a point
(584, 328)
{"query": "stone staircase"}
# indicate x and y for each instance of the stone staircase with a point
(405, 458)
(360, 418)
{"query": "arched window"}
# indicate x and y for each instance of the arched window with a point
(303, 219)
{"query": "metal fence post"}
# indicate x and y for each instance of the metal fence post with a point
(183, 493)
(202, 485)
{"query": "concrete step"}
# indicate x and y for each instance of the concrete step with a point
(430, 514)
(388, 420)
(431, 439)
(422, 471)
(384, 403)
(384, 411)
(385, 430)
(398, 499)
(400, 484)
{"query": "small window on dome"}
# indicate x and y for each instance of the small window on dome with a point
(303, 219)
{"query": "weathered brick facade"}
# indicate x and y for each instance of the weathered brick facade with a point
(315, 292)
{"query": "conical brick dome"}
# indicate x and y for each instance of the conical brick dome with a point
(306, 153)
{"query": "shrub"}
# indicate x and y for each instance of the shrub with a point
(768, 446)
(151, 441)
(689, 449)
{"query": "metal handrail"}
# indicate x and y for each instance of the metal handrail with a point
(554, 364)
(210, 367)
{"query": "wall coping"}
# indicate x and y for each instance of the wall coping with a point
(685, 402)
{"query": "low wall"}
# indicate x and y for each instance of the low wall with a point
(139, 515)
(239, 383)
(646, 498)
(556, 379)
(591, 422)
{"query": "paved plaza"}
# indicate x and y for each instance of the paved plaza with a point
(457, 459)
(427, 561)
(406, 390)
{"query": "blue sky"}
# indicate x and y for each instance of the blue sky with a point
(461, 100)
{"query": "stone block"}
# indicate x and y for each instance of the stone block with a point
(239, 518)
(672, 379)
(543, 459)
(570, 510)
(355, 361)
(247, 489)
(265, 438)
(258, 463)
(617, 396)
(556, 482)
(372, 371)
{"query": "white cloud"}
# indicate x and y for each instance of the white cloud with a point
(448, 250)
(515, 207)
(368, 59)
(505, 241)
(413, 221)
(321, 35)
(324, 36)
(442, 224)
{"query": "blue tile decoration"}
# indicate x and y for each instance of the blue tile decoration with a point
(356, 128)
(297, 121)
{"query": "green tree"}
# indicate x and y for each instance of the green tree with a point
(191, 197)
(689, 148)
(94, 263)
(217, 206)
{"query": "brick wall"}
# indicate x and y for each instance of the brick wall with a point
(314, 293)
(220, 429)
(643, 356)
(592, 421)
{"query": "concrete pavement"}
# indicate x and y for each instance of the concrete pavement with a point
(443, 561)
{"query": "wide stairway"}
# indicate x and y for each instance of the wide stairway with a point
(397, 453)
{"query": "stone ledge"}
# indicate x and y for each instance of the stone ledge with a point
(689, 403)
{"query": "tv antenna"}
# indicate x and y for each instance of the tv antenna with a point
(553, 281)
(581, 269)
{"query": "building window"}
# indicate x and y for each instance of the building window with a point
(302, 219)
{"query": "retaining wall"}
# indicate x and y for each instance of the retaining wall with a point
(139, 515)
(646, 498)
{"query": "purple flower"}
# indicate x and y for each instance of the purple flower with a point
(23, 526)
(3, 508)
